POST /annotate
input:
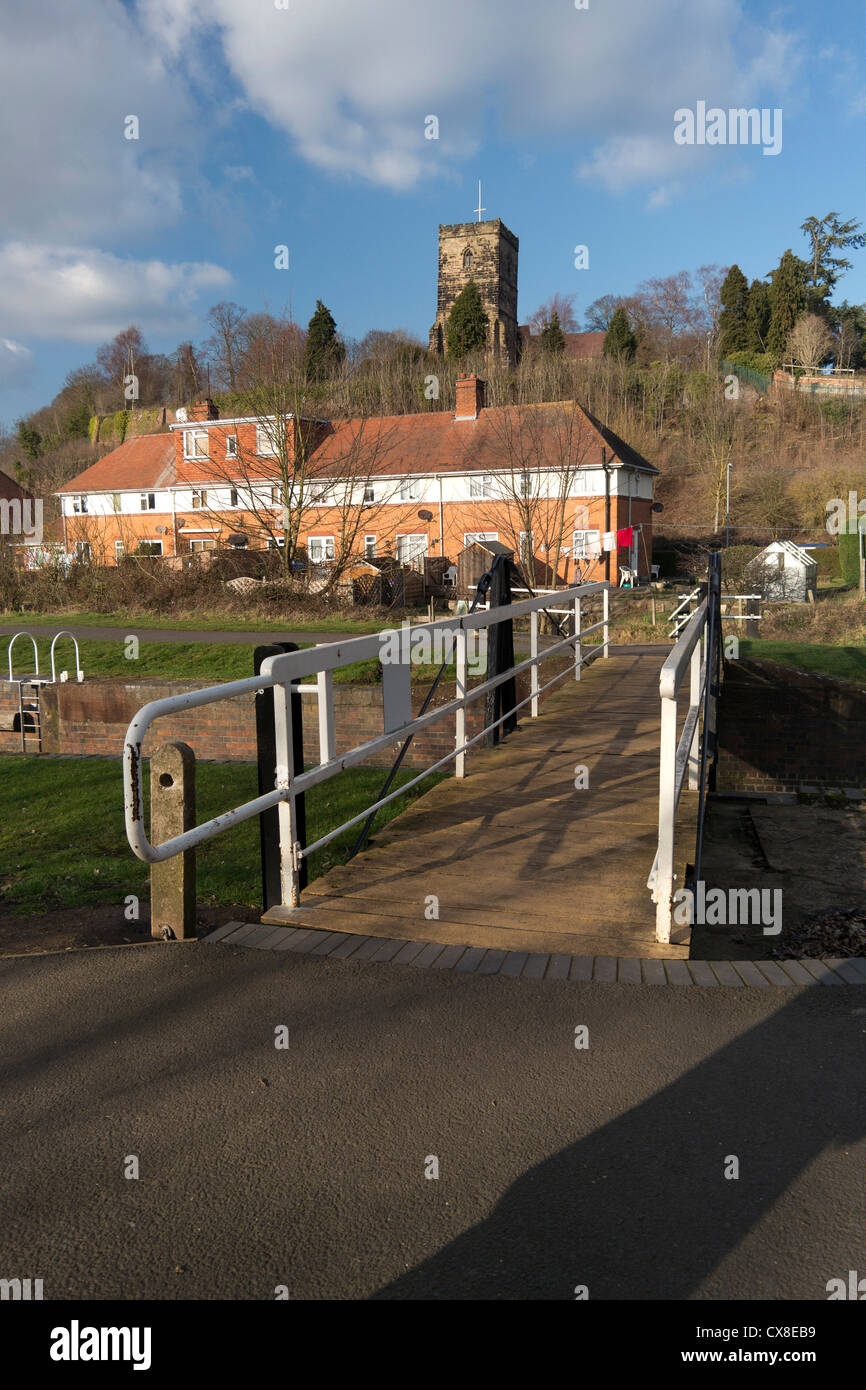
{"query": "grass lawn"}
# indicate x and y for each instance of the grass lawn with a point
(78, 854)
(334, 623)
(845, 663)
(212, 662)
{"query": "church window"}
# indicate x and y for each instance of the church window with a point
(467, 259)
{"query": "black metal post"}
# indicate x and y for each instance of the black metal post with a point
(269, 823)
(500, 655)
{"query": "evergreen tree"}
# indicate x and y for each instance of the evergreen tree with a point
(323, 349)
(619, 340)
(758, 316)
(466, 328)
(552, 336)
(787, 301)
(733, 319)
(30, 440)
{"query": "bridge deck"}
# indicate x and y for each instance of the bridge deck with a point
(516, 856)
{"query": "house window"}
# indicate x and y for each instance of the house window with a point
(481, 485)
(118, 550)
(369, 492)
(586, 544)
(473, 537)
(149, 548)
(233, 497)
(195, 444)
(148, 501)
(276, 496)
(317, 493)
(79, 505)
(82, 550)
(202, 545)
(524, 486)
(410, 490)
(199, 498)
(369, 547)
(266, 438)
(276, 543)
(116, 504)
(231, 446)
(320, 549)
(409, 548)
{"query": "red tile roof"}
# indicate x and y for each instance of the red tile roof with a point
(147, 461)
(502, 437)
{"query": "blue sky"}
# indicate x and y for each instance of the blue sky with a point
(304, 126)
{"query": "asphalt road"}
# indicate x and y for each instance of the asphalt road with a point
(305, 1167)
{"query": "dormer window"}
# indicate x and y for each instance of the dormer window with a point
(195, 444)
(467, 259)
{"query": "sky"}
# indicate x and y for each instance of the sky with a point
(305, 124)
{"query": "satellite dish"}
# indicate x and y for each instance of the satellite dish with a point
(426, 516)
(160, 530)
(181, 415)
(658, 506)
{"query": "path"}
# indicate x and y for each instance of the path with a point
(514, 856)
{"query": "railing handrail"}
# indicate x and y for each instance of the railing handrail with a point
(12, 642)
(288, 668)
(675, 664)
(79, 674)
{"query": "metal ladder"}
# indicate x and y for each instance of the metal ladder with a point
(30, 714)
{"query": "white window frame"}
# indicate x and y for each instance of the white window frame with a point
(265, 436)
(191, 444)
(231, 446)
(203, 543)
(369, 493)
(480, 486)
(79, 504)
(119, 550)
(410, 490)
(147, 502)
(146, 540)
(580, 543)
(415, 552)
(369, 549)
(276, 543)
(479, 537)
(276, 496)
(526, 486)
(83, 550)
(199, 499)
(330, 551)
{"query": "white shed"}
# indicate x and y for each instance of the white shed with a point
(783, 570)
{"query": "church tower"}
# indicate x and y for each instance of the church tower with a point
(485, 252)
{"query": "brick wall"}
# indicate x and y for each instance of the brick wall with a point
(780, 728)
(92, 718)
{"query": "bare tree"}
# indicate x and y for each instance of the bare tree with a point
(809, 341)
(560, 304)
(224, 348)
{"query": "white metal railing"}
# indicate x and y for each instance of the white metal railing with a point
(682, 613)
(279, 673)
(12, 642)
(681, 756)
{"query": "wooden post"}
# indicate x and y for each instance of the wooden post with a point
(172, 811)
(653, 606)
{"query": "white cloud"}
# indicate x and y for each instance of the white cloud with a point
(351, 83)
(71, 75)
(87, 295)
(16, 363)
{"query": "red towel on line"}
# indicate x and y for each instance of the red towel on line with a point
(623, 538)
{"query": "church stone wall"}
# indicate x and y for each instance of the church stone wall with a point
(485, 252)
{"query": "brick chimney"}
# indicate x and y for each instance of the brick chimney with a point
(470, 397)
(204, 410)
